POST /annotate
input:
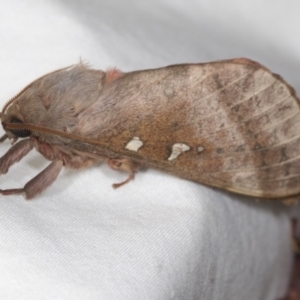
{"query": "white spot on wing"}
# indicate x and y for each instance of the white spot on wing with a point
(200, 149)
(177, 149)
(135, 144)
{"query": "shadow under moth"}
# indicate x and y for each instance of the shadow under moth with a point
(230, 124)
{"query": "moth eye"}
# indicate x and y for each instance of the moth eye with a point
(18, 132)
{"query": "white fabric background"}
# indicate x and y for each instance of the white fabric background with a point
(158, 237)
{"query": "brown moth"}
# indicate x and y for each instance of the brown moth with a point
(230, 124)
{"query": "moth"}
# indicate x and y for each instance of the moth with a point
(230, 124)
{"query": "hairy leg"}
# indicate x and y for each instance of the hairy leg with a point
(39, 183)
(15, 154)
(126, 165)
(3, 138)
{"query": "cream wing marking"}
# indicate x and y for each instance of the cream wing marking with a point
(177, 149)
(135, 144)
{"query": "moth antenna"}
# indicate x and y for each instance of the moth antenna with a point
(30, 127)
(8, 103)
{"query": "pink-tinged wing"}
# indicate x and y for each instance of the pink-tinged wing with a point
(230, 124)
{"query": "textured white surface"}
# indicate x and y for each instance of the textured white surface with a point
(158, 237)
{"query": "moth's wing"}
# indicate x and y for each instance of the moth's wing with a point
(249, 123)
(230, 124)
(255, 134)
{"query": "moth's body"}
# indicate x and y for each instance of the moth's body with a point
(229, 124)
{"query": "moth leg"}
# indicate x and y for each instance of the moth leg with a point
(126, 165)
(39, 183)
(3, 138)
(15, 154)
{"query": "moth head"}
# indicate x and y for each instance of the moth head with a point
(13, 126)
(12, 116)
(52, 102)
